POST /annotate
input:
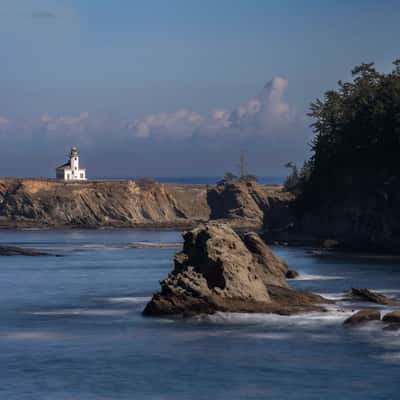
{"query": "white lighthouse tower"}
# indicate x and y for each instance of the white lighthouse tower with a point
(71, 171)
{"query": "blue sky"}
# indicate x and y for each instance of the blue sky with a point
(125, 60)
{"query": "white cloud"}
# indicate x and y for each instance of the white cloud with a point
(66, 123)
(266, 114)
(181, 123)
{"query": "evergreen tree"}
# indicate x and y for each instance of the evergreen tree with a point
(357, 137)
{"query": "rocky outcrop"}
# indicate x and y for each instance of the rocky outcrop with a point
(218, 270)
(392, 317)
(292, 274)
(368, 295)
(363, 316)
(250, 204)
(20, 251)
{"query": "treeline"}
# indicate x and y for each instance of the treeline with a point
(356, 147)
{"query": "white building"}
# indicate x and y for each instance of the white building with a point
(70, 171)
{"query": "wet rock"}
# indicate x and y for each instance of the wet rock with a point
(20, 251)
(368, 295)
(392, 317)
(363, 316)
(219, 270)
(292, 274)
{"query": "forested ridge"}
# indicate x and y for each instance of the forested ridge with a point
(356, 147)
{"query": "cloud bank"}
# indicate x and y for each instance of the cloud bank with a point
(264, 115)
(183, 142)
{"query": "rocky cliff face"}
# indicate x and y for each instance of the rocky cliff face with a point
(128, 203)
(250, 204)
(218, 270)
(360, 222)
(100, 203)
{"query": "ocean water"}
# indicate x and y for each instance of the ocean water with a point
(202, 180)
(71, 329)
(207, 180)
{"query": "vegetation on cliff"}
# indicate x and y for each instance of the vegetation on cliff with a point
(357, 143)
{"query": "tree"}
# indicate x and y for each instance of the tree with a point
(228, 178)
(357, 137)
(292, 180)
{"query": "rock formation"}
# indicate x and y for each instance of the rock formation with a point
(20, 251)
(249, 204)
(366, 222)
(292, 274)
(392, 317)
(132, 203)
(368, 295)
(363, 316)
(218, 270)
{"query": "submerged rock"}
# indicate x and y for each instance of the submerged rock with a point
(368, 295)
(20, 251)
(218, 270)
(363, 316)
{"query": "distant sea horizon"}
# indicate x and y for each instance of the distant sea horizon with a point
(209, 180)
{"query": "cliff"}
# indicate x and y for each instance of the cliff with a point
(250, 204)
(131, 203)
(127, 203)
(367, 222)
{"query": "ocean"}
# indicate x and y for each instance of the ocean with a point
(71, 328)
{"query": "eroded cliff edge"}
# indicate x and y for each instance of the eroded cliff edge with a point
(132, 203)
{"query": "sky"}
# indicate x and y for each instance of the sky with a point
(176, 87)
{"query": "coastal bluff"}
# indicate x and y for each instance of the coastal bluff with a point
(42, 203)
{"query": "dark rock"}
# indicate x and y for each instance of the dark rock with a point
(392, 317)
(360, 221)
(19, 251)
(218, 270)
(368, 295)
(363, 316)
(292, 274)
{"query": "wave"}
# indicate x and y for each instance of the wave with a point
(31, 335)
(79, 312)
(333, 296)
(269, 335)
(392, 358)
(127, 299)
(310, 277)
(333, 316)
(117, 246)
(388, 291)
(151, 245)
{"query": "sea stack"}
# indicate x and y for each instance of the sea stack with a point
(218, 270)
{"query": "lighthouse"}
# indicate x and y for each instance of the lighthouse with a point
(71, 170)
